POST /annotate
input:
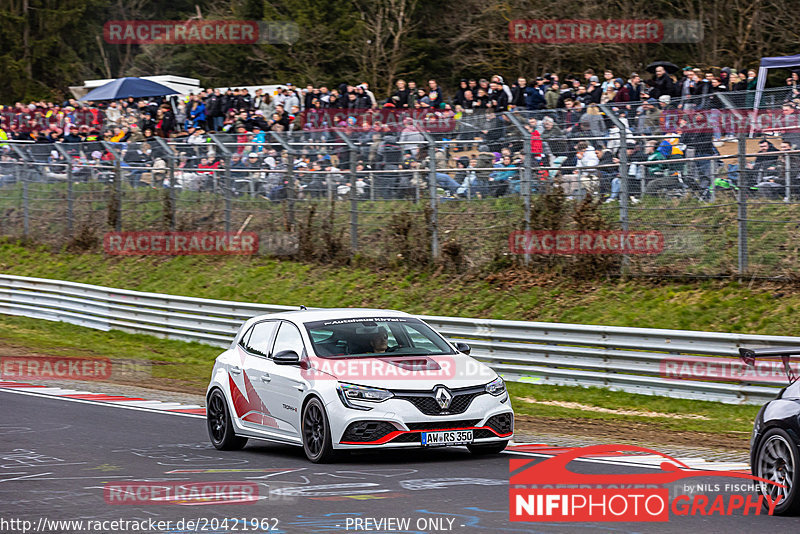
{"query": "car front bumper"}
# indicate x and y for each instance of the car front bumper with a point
(399, 423)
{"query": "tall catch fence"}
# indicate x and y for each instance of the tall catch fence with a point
(717, 185)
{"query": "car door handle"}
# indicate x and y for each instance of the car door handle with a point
(265, 377)
(300, 387)
(235, 369)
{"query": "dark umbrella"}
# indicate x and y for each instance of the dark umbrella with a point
(128, 88)
(671, 68)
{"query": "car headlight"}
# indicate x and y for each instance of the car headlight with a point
(361, 393)
(496, 387)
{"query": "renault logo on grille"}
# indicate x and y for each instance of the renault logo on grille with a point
(443, 397)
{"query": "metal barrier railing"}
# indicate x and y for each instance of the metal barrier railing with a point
(626, 359)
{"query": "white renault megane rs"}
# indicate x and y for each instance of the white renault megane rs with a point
(347, 379)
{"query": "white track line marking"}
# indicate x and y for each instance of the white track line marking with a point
(97, 403)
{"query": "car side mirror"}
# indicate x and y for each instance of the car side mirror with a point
(462, 347)
(286, 357)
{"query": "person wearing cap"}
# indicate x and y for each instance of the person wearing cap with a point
(535, 96)
(594, 90)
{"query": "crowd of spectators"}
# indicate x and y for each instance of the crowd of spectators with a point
(565, 127)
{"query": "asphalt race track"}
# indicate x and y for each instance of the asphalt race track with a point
(57, 457)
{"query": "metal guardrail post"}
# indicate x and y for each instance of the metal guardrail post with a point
(741, 202)
(526, 182)
(353, 192)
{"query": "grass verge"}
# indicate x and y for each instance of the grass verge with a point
(716, 306)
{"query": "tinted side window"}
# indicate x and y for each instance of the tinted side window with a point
(259, 341)
(245, 337)
(288, 338)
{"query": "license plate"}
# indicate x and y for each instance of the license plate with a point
(446, 437)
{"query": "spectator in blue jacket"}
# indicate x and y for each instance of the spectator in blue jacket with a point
(534, 96)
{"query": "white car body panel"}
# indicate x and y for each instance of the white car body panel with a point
(266, 399)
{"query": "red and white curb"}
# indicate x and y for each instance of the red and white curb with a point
(631, 459)
(101, 398)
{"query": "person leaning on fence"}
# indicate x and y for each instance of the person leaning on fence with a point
(765, 163)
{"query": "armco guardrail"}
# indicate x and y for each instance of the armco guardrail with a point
(626, 359)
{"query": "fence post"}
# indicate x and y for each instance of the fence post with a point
(227, 187)
(116, 197)
(69, 197)
(742, 203)
(434, 219)
(118, 189)
(173, 208)
(353, 192)
(624, 191)
(788, 179)
(290, 179)
(526, 182)
(434, 199)
(25, 210)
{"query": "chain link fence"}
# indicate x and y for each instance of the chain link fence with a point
(724, 199)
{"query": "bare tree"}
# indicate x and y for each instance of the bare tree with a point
(386, 24)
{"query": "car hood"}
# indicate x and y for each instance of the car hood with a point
(411, 373)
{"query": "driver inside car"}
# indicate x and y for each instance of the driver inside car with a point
(379, 341)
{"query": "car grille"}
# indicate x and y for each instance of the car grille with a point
(483, 433)
(407, 438)
(501, 423)
(427, 404)
(443, 425)
(367, 431)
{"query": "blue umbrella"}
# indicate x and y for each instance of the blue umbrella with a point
(127, 88)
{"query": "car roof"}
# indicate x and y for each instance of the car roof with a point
(321, 314)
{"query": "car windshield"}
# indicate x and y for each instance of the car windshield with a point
(375, 336)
